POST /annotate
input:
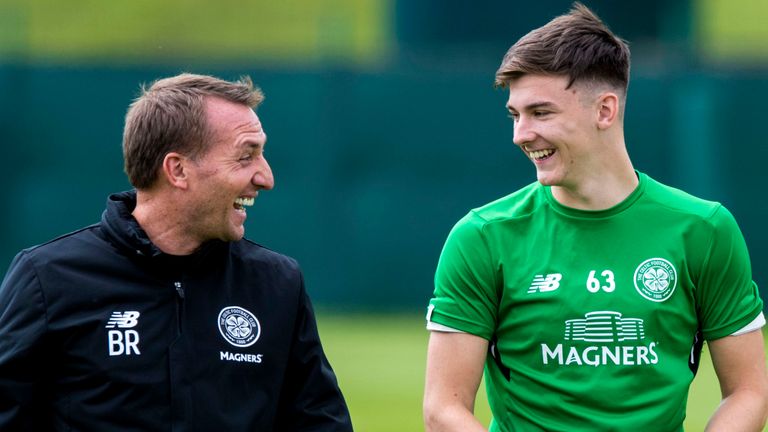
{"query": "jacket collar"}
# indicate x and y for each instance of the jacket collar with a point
(122, 229)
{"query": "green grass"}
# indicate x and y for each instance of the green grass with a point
(380, 359)
(379, 362)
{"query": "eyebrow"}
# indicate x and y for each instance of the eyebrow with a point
(534, 106)
(252, 144)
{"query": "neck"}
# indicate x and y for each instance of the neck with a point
(601, 187)
(596, 196)
(157, 215)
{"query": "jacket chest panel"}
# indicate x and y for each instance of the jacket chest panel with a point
(118, 337)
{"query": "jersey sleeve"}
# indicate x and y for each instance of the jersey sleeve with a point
(22, 330)
(727, 297)
(466, 294)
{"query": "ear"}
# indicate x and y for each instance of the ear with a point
(607, 110)
(175, 170)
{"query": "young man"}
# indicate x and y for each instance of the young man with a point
(588, 294)
(162, 317)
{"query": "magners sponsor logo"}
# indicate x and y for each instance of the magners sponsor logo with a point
(607, 333)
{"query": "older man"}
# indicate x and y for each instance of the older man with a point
(162, 316)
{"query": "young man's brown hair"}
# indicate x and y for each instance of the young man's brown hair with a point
(578, 45)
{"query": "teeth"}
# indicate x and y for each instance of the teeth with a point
(245, 202)
(538, 154)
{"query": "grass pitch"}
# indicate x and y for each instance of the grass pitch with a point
(380, 360)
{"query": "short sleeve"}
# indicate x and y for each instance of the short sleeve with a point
(467, 293)
(727, 297)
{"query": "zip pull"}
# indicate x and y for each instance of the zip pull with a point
(179, 306)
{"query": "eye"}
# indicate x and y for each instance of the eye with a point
(513, 116)
(540, 113)
(246, 157)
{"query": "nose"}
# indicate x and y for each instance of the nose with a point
(523, 132)
(263, 177)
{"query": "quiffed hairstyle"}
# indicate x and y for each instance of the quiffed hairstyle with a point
(169, 116)
(577, 45)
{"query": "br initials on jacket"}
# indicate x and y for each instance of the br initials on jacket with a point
(123, 342)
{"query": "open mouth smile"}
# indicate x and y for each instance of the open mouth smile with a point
(241, 203)
(540, 155)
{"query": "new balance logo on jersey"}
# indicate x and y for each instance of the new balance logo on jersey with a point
(123, 342)
(546, 283)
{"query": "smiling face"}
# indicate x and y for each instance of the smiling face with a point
(555, 127)
(228, 177)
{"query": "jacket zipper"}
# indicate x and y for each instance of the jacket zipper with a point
(179, 306)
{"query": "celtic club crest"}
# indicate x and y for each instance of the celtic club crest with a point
(655, 279)
(239, 326)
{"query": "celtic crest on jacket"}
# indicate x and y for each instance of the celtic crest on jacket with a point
(239, 326)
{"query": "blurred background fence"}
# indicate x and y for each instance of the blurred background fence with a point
(384, 127)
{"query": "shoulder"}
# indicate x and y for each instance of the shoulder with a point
(253, 253)
(518, 205)
(85, 241)
(44, 265)
(272, 275)
(497, 220)
(678, 201)
(673, 206)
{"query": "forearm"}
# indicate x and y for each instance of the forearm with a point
(454, 370)
(739, 362)
(451, 419)
(740, 412)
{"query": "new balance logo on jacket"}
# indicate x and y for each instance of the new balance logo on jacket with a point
(125, 319)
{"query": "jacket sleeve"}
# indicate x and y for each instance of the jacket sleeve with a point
(310, 399)
(22, 330)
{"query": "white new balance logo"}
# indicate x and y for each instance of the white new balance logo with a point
(125, 319)
(546, 283)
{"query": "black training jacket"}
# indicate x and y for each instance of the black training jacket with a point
(101, 331)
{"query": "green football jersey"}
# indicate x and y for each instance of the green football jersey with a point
(595, 318)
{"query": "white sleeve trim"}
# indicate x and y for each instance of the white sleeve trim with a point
(433, 326)
(756, 323)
